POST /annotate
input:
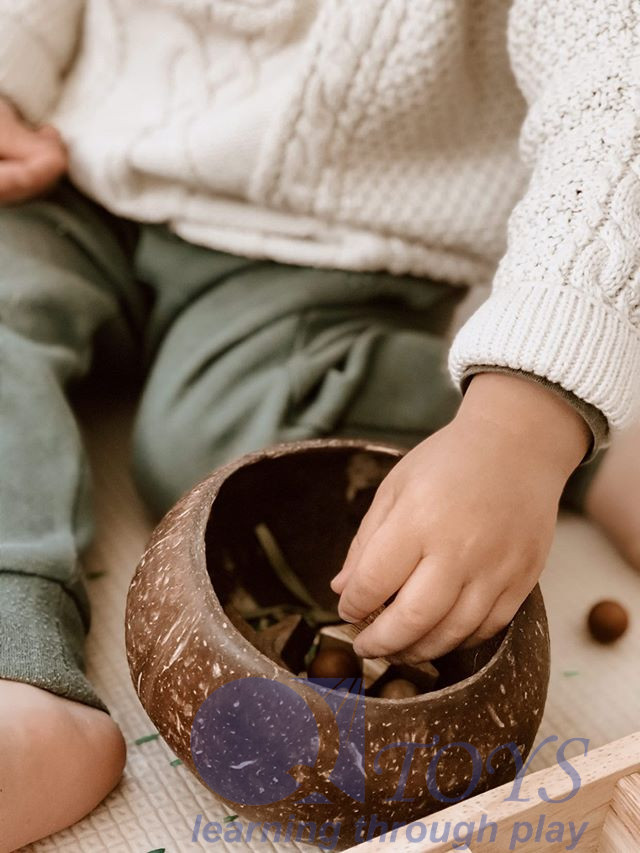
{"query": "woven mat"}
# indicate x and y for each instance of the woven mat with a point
(594, 691)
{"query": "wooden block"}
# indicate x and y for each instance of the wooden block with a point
(600, 772)
(621, 830)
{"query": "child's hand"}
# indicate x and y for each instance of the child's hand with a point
(30, 160)
(461, 527)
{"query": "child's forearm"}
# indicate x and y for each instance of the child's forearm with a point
(525, 412)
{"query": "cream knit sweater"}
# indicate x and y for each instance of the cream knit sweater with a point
(374, 134)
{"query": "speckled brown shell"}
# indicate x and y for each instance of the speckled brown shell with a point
(181, 644)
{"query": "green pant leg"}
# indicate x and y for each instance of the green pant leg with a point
(579, 483)
(251, 353)
(61, 267)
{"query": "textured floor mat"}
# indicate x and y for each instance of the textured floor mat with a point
(595, 691)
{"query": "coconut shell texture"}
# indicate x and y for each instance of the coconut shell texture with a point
(182, 646)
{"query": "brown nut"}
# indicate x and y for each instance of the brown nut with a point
(398, 688)
(334, 663)
(607, 621)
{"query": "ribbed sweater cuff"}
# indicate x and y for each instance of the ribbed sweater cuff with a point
(29, 77)
(561, 334)
(42, 637)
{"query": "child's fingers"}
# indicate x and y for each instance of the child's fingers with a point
(384, 564)
(422, 602)
(46, 166)
(48, 131)
(21, 179)
(21, 143)
(39, 166)
(372, 521)
(501, 614)
(472, 608)
(17, 139)
(15, 181)
(41, 152)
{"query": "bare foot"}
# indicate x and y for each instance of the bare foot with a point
(58, 760)
(613, 499)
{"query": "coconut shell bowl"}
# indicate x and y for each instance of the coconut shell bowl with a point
(227, 616)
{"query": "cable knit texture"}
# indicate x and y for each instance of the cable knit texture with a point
(566, 296)
(374, 135)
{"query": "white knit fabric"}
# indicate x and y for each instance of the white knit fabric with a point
(374, 134)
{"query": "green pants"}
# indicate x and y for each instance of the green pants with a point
(239, 354)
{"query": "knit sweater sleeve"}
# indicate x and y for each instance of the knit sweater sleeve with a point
(37, 41)
(565, 302)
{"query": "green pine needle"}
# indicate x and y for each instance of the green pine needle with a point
(311, 653)
(146, 738)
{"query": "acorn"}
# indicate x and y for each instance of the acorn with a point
(607, 621)
(334, 663)
(398, 688)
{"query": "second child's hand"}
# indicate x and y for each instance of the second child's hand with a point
(31, 160)
(461, 527)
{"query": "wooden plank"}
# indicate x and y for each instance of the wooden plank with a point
(523, 826)
(621, 830)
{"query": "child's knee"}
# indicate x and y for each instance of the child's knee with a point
(171, 454)
(175, 447)
(159, 462)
